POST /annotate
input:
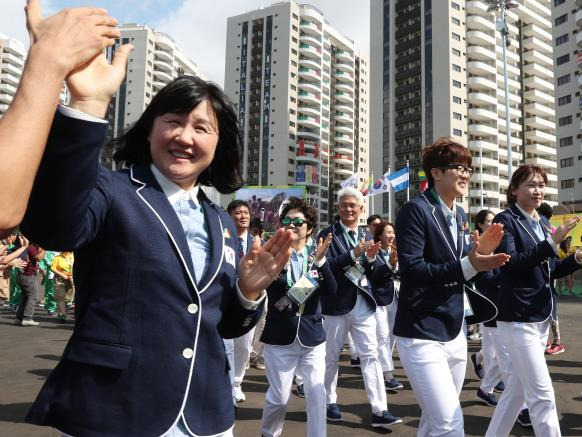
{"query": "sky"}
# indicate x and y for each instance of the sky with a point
(197, 26)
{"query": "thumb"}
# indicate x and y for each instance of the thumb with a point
(256, 243)
(121, 55)
(33, 18)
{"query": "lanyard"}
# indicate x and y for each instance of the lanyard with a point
(308, 253)
(349, 239)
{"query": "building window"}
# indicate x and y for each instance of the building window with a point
(457, 132)
(563, 59)
(564, 121)
(563, 79)
(567, 183)
(562, 39)
(564, 100)
(456, 52)
(455, 21)
(456, 67)
(457, 116)
(567, 162)
(456, 7)
(561, 19)
(456, 84)
(457, 37)
(566, 141)
(456, 99)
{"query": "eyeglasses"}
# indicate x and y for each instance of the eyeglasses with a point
(297, 221)
(461, 169)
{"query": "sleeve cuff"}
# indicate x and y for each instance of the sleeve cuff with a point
(554, 245)
(250, 305)
(73, 113)
(370, 260)
(468, 269)
(319, 264)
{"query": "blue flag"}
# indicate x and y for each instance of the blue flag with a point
(399, 179)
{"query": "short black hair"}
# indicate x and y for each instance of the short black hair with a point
(308, 211)
(480, 219)
(235, 204)
(373, 217)
(443, 152)
(546, 210)
(181, 96)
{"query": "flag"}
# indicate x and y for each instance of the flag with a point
(366, 186)
(382, 185)
(423, 181)
(579, 58)
(399, 179)
(352, 181)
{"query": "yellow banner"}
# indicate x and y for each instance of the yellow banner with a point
(575, 233)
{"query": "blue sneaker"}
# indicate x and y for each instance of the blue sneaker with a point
(523, 418)
(488, 398)
(384, 420)
(393, 384)
(499, 387)
(355, 363)
(333, 413)
(300, 391)
(478, 368)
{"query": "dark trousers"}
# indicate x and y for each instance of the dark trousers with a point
(29, 287)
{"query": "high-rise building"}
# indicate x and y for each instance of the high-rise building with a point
(12, 58)
(567, 33)
(441, 72)
(301, 91)
(153, 63)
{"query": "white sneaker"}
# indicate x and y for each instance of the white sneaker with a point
(238, 394)
(26, 322)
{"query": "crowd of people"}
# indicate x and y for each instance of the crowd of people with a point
(172, 292)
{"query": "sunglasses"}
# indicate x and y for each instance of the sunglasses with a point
(297, 221)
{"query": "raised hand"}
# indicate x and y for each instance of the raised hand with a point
(490, 239)
(563, 230)
(483, 263)
(362, 247)
(322, 246)
(71, 37)
(393, 260)
(373, 250)
(263, 263)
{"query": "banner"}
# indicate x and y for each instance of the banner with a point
(352, 181)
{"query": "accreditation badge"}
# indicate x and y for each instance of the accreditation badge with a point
(468, 310)
(357, 275)
(302, 289)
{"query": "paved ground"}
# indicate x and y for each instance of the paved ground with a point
(28, 355)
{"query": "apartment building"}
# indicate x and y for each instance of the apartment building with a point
(441, 71)
(567, 37)
(12, 58)
(301, 91)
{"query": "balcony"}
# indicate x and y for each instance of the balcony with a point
(343, 76)
(311, 51)
(545, 163)
(539, 96)
(348, 109)
(346, 66)
(480, 38)
(343, 55)
(540, 150)
(344, 87)
(313, 64)
(164, 56)
(538, 57)
(342, 149)
(540, 123)
(308, 73)
(536, 135)
(477, 145)
(6, 99)
(579, 39)
(538, 70)
(161, 65)
(17, 61)
(478, 129)
(482, 99)
(343, 129)
(344, 138)
(481, 114)
(309, 110)
(7, 89)
(344, 97)
(307, 158)
(539, 109)
(310, 122)
(480, 23)
(343, 159)
(536, 43)
(310, 27)
(343, 172)
(310, 86)
(476, 7)
(487, 162)
(479, 83)
(311, 39)
(164, 42)
(481, 68)
(312, 98)
(533, 29)
(310, 134)
(539, 83)
(480, 53)
(162, 76)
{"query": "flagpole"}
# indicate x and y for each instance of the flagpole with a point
(371, 197)
(408, 186)
(389, 206)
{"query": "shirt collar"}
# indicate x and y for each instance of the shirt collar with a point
(172, 191)
(533, 217)
(446, 210)
(346, 229)
(244, 235)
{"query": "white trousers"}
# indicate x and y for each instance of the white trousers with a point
(353, 352)
(257, 345)
(526, 377)
(281, 363)
(492, 371)
(436, 371)
(385, 316)
(361, 324)
(242, 351)
(229, 348)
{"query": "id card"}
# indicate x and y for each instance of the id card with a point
(302, 289)
(357, 275)
(467, 305)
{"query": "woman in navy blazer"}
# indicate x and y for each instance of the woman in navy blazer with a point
(293, 335)
(436, 262)
(527, 302)
(384, 279)
(158, 278)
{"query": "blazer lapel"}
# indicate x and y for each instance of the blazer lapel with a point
(524, 223)
(441, 222)
(216, 238)
(460, 233)
(153, 196)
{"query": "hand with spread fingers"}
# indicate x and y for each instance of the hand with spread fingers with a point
(262, 264)
(362, 247)
(393, 259)
(481, 262)
(490, 239)
(373, 250)
(322, 246)
(563, 230)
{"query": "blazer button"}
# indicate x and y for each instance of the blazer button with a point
(454, 283)
(187, 353)
(246, 322)
(547, 285)
(192, 308)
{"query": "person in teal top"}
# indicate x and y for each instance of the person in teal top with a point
(50, 304)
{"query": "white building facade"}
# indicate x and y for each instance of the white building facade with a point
(12, 59)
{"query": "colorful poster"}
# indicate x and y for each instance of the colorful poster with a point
(575, 233)
(264, 202)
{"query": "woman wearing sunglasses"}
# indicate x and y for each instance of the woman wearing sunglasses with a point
(294, 337)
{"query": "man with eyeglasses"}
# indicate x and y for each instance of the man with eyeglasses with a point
(351, 310)
(436, 262)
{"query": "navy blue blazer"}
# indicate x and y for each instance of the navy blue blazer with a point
(381, 279)
(430, 304)
(147, 344)
(283, 327)
(339, 258)
(527, 291)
